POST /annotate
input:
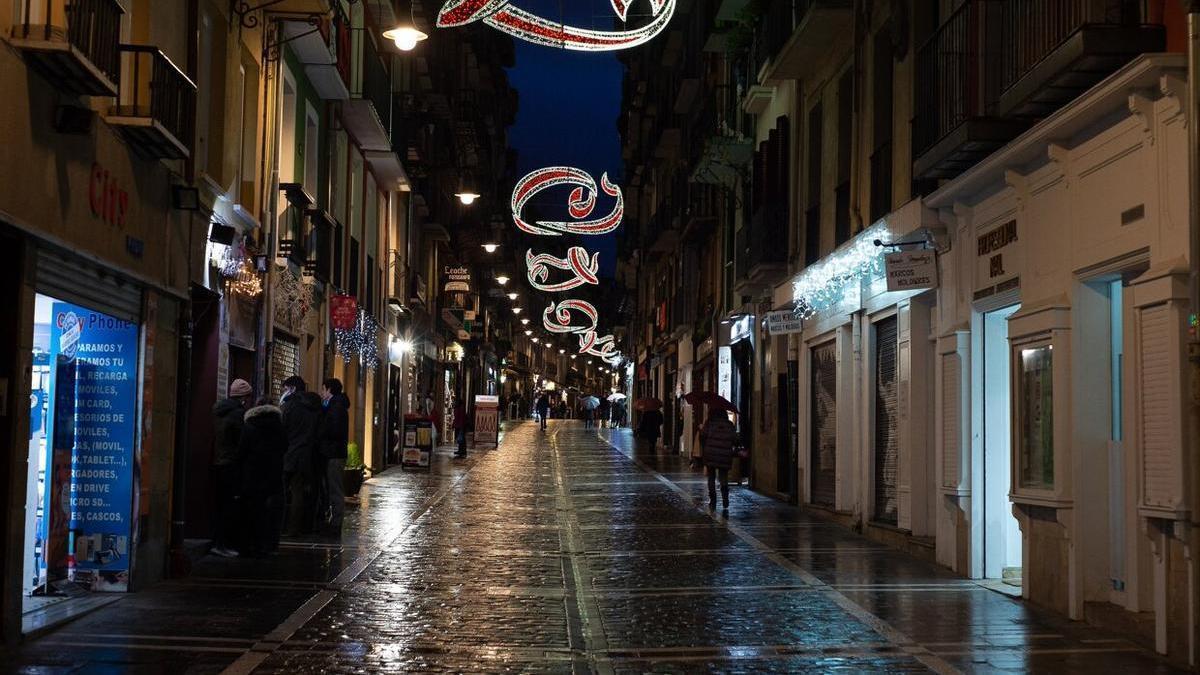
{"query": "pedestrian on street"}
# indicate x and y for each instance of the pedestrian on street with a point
(718, 437)
(649, 429)
(263, 446)
(333, 435)
(587, 414)
(227, 470)
(604, 412)
(460, 427)
(301, 411)
(543, 408)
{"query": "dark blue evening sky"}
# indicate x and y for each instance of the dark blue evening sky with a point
(569, 102)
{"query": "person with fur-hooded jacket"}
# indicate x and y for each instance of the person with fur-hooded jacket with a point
(228, 420)
(263, 446)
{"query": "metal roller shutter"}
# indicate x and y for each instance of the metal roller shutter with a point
(285, 362)
(886, 443)
(72, 279)
(824, 424)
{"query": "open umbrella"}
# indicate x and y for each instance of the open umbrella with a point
(591, 403)
(617, 396)
(711, 399)
(647, 404)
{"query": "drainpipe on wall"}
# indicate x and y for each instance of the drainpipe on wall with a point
(1192, 7)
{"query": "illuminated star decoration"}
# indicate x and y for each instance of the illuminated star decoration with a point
(559, 318)
(361, 340)
(577, 260)
(500, 14)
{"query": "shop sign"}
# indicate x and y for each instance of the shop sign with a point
(487, 420)
(997, 256)
(107, 200)
(783, 322)
(91, 459)
(343, 312)
(725, 372)
(911, 270)
(741, 328)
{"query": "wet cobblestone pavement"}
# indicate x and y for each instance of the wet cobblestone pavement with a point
(561, 552)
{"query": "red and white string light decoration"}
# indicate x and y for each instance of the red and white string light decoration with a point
(501, 15)
(571, 316)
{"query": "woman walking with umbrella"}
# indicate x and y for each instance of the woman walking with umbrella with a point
(718, 438)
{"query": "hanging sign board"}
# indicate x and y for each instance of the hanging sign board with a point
(343, 312)
(783, 322)
(911, 270)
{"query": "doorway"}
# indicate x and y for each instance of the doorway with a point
(1001, 533)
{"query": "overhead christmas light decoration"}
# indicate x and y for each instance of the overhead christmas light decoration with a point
(501, 15)
(823, 284)
(557, 318)
(580, 204)
(578, 261)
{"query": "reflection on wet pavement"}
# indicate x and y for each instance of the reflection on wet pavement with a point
(562, 552)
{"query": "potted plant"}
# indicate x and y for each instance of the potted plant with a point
(352, 474)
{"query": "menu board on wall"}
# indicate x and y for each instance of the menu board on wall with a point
(102, 353)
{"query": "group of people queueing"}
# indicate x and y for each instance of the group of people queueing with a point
(278, 469)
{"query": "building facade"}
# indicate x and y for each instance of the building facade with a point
(1020, 416)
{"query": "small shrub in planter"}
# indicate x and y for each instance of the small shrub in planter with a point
(352, 475)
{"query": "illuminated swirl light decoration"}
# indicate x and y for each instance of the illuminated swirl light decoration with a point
(557, 317)
(580, 204)
(500, 14)
(578, 261)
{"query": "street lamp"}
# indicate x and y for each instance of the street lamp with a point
(501, 279)
(516, 310)
(489, 247)
(512, 296)
(524, 322)
(406, 35)
(528, 333)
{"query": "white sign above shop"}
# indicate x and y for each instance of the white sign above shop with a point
(783, 322)
(911, 270)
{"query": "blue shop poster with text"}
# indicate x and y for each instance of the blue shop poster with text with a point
(104, 351)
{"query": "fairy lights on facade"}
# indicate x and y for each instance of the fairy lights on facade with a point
(823, 284)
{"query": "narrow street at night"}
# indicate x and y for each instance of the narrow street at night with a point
(564, 552)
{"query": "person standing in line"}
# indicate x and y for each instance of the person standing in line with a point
(649, 429)
(263, 446)
(543, 408)
(301, 410)
(603, 413)
(230, 417)
(718, 437)
(333, 435)
(460, 427)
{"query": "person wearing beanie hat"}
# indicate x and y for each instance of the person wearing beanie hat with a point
(227, 465)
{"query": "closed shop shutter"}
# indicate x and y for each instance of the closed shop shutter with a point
(824, 424)
(951, 424)
(285, 362)
(1160, 467)
(72, 279)
(887, 449)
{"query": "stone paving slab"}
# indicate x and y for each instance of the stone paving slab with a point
(565, 552)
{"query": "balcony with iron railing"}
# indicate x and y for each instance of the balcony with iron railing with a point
(156, 106)
(1054, 50)
(322, 44)
(73, 43)
(762, 250)
(995, 66)
(797, 33)
(368, 112)
(881, 181)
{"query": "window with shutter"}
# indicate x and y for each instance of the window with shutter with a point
(285, 362)
(824, 424)
(1160, 486)
(951, 424)
(887, 447)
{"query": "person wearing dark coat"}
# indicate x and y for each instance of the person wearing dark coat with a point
(718, 437)
(460, 427)
(263, 446)
(301, 411)
(333, 436)
(649, 429)
(543, 408)
(228, 414)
